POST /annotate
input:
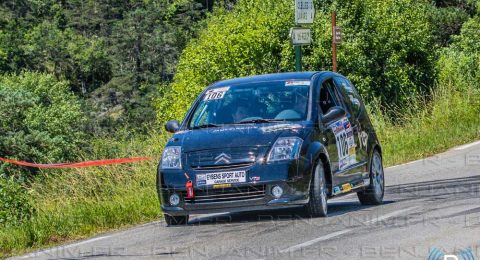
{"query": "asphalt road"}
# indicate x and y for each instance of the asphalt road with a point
(432, 206)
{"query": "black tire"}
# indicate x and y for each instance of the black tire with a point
(175, 220)
(373, 195)
(317, 204)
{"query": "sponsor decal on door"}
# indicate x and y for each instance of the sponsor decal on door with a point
(345, 141)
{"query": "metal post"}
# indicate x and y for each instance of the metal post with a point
(298, 58)
(334, 44)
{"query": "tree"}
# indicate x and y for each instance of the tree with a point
(41, 120)
(144, 48)
(113, 53)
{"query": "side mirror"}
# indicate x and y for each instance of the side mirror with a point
(333, 114)
(172, 126)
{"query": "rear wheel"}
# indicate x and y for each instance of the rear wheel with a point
(317, 204)
(373, 195)
(175, 220)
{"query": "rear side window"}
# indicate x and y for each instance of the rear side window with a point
(352, 98)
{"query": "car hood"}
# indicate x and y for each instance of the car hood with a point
(236, 136)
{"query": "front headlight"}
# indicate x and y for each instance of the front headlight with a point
(285, 148)
(171, 158)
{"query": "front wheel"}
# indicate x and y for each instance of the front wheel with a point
(175, 220)
(317, 204)
(373, 195)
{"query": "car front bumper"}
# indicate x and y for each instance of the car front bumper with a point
(254, 194)
(291, 198)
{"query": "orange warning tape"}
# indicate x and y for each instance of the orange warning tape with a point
(77, 164)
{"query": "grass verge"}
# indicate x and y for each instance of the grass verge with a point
(77, 203)
(452, 118)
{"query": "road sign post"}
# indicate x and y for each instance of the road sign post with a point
(300, 36)
(304, 15)
(336, 39)
(298, 58)
(334, 44)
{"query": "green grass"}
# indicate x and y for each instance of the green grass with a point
(450, 119)
(74, 204)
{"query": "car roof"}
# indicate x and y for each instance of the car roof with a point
(266, 77)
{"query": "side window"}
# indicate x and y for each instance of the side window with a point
(201, 115)
(328, 96)
(352, 99)
(214, 112)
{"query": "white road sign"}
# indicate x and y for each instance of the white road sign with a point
(304, 12)
(301, 36)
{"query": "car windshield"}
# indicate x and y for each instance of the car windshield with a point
(252, 103)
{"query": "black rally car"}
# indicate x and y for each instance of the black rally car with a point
(270, 141)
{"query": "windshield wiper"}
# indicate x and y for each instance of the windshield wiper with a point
(259, 120)
(205, 126)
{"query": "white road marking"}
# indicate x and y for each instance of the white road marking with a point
(342, 232)
(403, 164)
(36, 254)
(389, 215)
(314, 241)
(463, 147)
(202, 216)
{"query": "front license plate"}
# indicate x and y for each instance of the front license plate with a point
(221, 178)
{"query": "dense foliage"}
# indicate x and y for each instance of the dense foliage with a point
(247, 40)
(113, 53)
(389, 48)
(72, 71)
(459, 65)
(41, 120)
(387, 51)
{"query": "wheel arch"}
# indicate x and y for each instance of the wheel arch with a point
(319, 153)
(375, 147)
(328, 171)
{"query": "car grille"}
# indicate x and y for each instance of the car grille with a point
(223, 167)
(228, 194)
(237, 157)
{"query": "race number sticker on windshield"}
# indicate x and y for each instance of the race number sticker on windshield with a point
(221, 178)
(342, 129)
(297, 83)
(216, 93)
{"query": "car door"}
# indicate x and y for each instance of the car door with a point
(341, 139)
(333, 133)
(357, 119)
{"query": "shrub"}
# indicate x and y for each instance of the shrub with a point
(459, 65)
(15, 203)
(41, 120)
